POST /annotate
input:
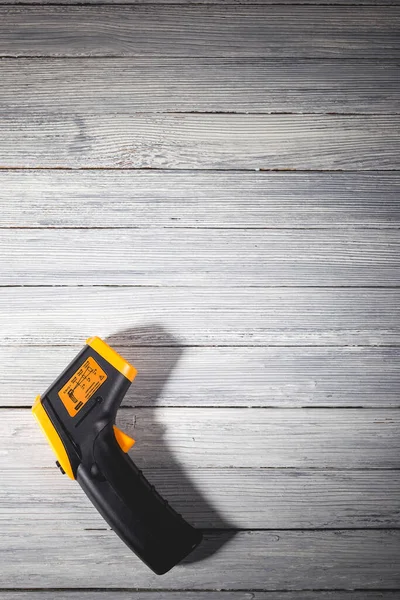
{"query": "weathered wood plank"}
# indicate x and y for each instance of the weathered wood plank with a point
(192, 316)
(188, 595)
(196, 141)
(248, 377)
(196, 257)
(286, 31)
(212, 2)
(220, 498)
(233, 437)
(35, 198)
(253, 85)
(266, 438)
(351, 559)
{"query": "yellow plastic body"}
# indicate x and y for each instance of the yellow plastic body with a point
(111, 356)
(52, 436)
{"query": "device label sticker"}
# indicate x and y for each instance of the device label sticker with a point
(82, 385)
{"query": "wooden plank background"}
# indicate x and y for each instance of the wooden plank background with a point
(201, 141)
(192, 595)
(200, 258)
(213, 31)
(213, 187)
(256, 376)
(239, 85)
(211, 437)
(240, 498)
(226, 560)
(172, 198)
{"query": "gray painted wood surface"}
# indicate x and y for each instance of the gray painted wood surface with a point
(178, 316)
(200, 257)
(240, 498)
(198, 141)
(209, 2)
(190, 595)
(261, 305)
(61, 198)
(217, 30)
(252, 85)
(234, 438)
(225, 376)
(360, 558)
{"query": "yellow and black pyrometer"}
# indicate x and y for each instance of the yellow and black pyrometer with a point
(77, 414)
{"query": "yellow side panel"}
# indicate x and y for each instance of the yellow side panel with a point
(52, 437)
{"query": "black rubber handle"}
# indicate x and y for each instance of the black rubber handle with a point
(133, 508)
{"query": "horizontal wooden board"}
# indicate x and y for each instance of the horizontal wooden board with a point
(197, 141)
(254, 85)
(62, 198)
(196, 257)
(219, 498)
(192, 316)
(291, 31)
(248, 377)
(191, 438)
(270, 560)
(266, 438)
(212, 2)
(189, 595)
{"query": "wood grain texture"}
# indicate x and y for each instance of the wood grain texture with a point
(189, 595)
(219, 498)
(192, 316)
(231, 437)
(266, 438)
(210, 2)
(195, 141)
(351, 559)
(220, 31)
(247, 377)
(200, 257)
(249, 372)
(198, 199)
(131, 85)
